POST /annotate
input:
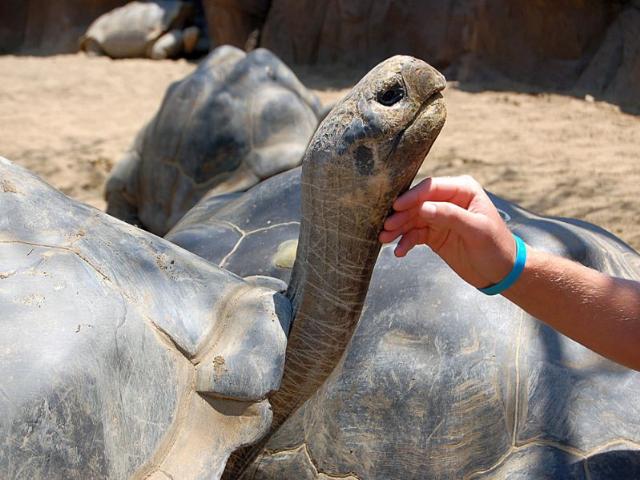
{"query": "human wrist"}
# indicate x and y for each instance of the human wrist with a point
(521, 290)
(496, 258)
(517, 265)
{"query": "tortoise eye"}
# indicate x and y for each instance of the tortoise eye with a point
(391, 95)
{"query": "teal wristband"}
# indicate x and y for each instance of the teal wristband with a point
(514, 274)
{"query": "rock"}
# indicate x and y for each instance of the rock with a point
(367, 31)
(552, 44)
(546, 43)
(46, 27)
(614, 71)
(231, 22)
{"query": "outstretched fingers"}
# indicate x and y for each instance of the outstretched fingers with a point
(438, 214)
(430, 216)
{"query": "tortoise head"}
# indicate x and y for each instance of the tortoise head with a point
(371, 145)
(365, 152)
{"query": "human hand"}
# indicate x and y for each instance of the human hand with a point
(456, 219)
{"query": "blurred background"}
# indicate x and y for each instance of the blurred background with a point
(543, 96)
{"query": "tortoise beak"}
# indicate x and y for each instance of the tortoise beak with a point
(424, 80)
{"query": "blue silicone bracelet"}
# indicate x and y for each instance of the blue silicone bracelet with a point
(514, 274)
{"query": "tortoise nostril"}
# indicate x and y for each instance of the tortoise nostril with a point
(391, 96)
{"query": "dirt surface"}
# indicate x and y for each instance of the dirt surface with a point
(69, 118)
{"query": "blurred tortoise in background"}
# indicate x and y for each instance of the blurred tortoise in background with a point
(154, 29)
(125, 356)
(236, 120)
(438, 381)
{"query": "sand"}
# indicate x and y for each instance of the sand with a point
(69, 118)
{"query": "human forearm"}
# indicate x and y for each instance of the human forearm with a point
(457, 220)
(599, 311)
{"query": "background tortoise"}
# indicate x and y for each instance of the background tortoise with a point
(125, 355)
(237, 119)
(439, 381)
(153, 29)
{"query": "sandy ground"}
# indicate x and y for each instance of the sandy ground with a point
(69, 118)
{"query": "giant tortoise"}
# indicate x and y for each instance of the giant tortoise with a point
(124, 355)
(121, 354)
(154, 29)
(438, 381)
(237, 119)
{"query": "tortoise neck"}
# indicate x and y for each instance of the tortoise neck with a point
(337, 251)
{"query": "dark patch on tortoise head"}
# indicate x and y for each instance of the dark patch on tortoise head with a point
(364, 160)
(366, 125)
(355, 131)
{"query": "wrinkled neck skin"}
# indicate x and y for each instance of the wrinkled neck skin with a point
(337, 251)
